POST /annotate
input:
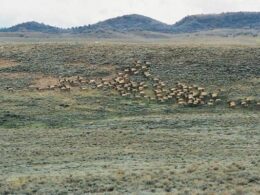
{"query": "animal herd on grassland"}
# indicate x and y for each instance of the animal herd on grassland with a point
(148, 87)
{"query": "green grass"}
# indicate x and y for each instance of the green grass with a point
(98, 142)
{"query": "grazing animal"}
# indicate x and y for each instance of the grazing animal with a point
(10, 89)
(65, 89)
(125, 85)
(232, 104)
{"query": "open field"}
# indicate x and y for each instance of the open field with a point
(96, 141)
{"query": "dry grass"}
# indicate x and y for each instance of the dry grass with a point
(7, 63)
(14, 75)
(94, 141)
(44, 82)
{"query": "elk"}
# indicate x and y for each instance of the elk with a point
(10, 89)
(232, 104)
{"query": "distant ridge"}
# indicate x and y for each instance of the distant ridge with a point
(235, 20)
(33, 27)
(128, 24)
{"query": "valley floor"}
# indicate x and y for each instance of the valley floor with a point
(182, 153)
(95, 141)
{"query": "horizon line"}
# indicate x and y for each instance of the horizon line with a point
(67, 28)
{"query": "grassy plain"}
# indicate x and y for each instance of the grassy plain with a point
(95, 141)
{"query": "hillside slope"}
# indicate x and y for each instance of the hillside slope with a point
(125, 26)
(33, 27)
(237, 20)
(126, 23)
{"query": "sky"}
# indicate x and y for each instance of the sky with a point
(68, 13)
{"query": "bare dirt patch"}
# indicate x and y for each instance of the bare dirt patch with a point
(7, 63)
(14, 75)
(45, 81)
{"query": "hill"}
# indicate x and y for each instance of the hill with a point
(236, 23)
(127, 23)
(237, 20)
(33, 27)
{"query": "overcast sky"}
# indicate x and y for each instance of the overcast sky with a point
(67, 13)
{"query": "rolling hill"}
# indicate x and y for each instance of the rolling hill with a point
(128, 24)
(238, 20)
(33, 27)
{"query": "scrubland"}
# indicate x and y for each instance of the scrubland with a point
(96, 141)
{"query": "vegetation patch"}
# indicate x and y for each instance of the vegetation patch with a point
(68, 126)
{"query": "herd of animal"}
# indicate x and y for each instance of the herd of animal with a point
(137, 82)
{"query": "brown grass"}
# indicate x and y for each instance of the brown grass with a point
(7, 63)
(45, 81)
(14, 75)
